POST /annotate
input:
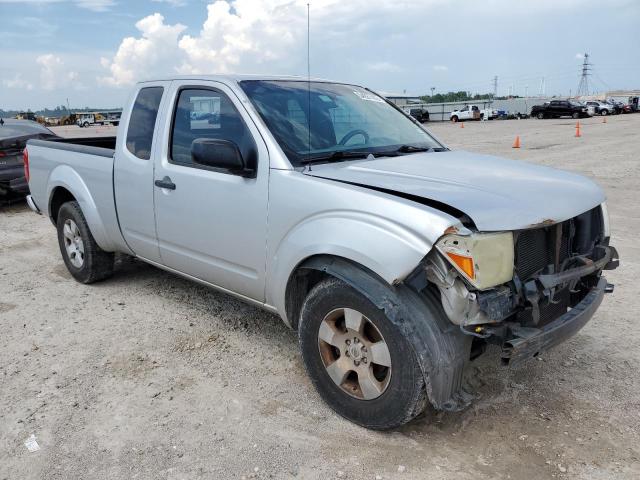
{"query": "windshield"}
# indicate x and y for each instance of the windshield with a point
(343, 118)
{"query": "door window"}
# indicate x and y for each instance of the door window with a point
(143, 121)
(206, 114)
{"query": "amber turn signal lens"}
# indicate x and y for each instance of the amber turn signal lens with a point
(465, 264)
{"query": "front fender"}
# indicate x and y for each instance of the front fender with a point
(66, 177)
(390, 250)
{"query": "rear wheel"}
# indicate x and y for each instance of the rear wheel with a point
(85, 124)
(359, 362)
(84, 259)
(575, 115)
(454, 119)
(540, 115)
(604, 112)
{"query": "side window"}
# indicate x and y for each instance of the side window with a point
(206, 113)
(143, 121)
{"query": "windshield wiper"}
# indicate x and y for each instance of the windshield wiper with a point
(335, 156)
(413, 148)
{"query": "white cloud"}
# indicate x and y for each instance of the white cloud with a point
(153, 53)
(53, 73)
(580, 56)
(17, 82)
(384, 67)
(440, 68)
(239, 35)
(249, 31)
(94, 5)
(173, 3)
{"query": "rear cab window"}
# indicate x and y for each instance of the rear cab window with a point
(142, 122)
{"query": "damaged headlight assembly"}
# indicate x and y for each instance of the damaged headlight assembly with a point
(470, 270)
(484, 259)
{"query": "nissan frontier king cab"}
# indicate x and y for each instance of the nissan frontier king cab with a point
(395, 259)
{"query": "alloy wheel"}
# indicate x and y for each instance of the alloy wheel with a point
(354, 353)
(73, 243)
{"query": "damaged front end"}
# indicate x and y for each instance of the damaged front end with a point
(532, 290)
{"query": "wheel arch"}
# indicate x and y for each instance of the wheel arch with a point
(66, 185)
(440, 348)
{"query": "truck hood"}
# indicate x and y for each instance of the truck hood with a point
(497, 194)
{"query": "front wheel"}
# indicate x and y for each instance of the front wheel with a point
(359, 362)
(604, 112)
(85, 124)
(575, 115)
(454, 119)
(85, 260)
(540, 116)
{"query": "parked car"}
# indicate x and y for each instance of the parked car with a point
(618, 107)
(468, 112)
(559, 108)
(601, 108)
(420, 114)
(13, 138)
(396, 259)
(84, 120)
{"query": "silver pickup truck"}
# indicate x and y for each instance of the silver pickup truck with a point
(396, 259)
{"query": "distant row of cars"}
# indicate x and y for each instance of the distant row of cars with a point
(576, 109)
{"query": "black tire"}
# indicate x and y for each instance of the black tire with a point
(575, 115)
(97, 264)
(540, 116)
(604, 112)
(454, 119)
(85, 124)
(404, 397)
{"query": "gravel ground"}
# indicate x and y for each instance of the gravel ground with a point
(149, 376)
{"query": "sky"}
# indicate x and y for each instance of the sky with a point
(91, 51)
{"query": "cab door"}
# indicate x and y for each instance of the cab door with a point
(134, 169)
(211, 222)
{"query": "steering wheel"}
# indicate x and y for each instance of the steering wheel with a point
(352, 134)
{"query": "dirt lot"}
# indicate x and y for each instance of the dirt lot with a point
(149, 376)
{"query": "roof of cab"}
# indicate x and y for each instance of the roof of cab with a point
(235, 78)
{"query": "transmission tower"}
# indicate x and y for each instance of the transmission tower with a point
(583, 87)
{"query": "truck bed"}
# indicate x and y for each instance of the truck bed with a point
(85, 167)
(103, 146)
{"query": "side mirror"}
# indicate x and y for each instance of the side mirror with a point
(223, 154)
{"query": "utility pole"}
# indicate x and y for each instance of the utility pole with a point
(542, 87)
(583, 87)
(495, 86)
(433, 89)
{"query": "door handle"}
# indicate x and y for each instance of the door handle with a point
(165, 183)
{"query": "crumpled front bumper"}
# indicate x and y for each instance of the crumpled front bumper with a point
(529, 342)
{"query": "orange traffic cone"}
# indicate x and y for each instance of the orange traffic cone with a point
(461, 124)
(516, 143)
(578, 130)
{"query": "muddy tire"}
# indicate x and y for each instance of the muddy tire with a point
(85, 260)
(359, 362)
